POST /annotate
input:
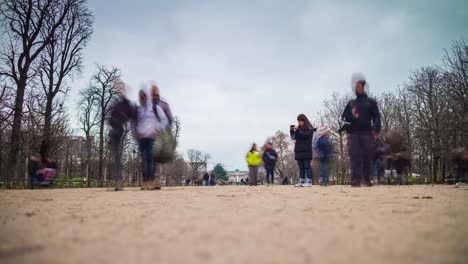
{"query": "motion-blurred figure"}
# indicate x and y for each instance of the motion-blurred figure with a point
(460, 162)
(269, 160)
(324, 150)
(122, 111)
(397, 156)
(378, 160)
(363, 117)
(302, 134)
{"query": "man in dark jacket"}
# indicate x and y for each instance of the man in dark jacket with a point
(121, 112)
(363, 117)
(269, 160)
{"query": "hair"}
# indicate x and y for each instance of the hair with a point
(254, 145)
(304, 119)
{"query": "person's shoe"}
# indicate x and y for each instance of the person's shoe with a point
(355, 185)
(299, 184)
(307, 184)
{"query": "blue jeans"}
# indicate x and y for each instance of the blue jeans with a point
(146, 149)
(207, 182)
(270, 175)
(305, 169)
(324, 171)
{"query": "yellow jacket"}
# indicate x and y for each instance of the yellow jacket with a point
(253, 158)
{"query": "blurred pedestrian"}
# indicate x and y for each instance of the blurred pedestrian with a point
(302, 134)
(122, 111)
(253, 161)
(323, 148)
(269, 160)
(363, 117)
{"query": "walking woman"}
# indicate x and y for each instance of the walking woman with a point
(253, 159)
(302, 134)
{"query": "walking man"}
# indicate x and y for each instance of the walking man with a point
(363, 117)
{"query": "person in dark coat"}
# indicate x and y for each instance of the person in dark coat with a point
(206, 179)
(302, 134)
(269, 160)
(122, 111)
(363, 117)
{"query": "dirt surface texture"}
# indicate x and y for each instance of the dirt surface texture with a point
(236, 224)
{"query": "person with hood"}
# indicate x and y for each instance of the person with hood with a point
(145, 131)
(323, 148)
(122, 111)
(269, 160)
(302, 134)
(164, 117)
(253, 161)
(362, 115)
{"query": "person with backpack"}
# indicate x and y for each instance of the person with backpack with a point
(324, 150)
(166, 141)
(302, 134)
(363, 117)
(269, 160)
(253, 161)
(153, 118)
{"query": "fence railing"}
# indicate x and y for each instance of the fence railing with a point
(64, 183)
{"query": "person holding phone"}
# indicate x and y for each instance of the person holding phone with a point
(302, 134)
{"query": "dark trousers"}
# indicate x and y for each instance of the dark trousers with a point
(146, 149)
(270, 175)
(253, 173)
(304, 168)
(116, 154)
(360, 152)
(324, 171)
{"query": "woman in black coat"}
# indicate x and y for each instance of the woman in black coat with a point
(303, 134)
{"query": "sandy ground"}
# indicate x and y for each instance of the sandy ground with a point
(236, 224)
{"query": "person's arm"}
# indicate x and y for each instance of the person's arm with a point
(304, 133)
(347, 113)
(264, 156)
(292, 132)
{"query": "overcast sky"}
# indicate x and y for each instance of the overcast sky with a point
(237, 71)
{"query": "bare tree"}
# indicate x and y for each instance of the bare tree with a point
(89, 120)
(30, 26)
(60, 61)
(100, 89)
(198, 162)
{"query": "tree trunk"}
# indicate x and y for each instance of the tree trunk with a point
(45, 144)
(16, 128)
(101, 148)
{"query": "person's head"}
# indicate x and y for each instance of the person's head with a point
(303, 121)
(155, 94)
(253, 148)
(360, 90)
(269, 145)
(143, 97)
(359, 84)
